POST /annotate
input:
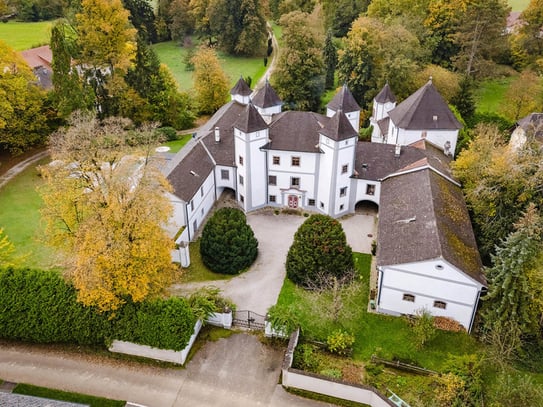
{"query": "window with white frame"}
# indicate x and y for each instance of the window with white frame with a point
(408, 297)
(225, 174)
(344, 168)
(241, 180)
(295, 161)
(295, 182)
(343, 191)
(311, 202)
(272, 179)
(440, 304)
(276, 160)
(271, 198)
(370, 189)
(240, 160)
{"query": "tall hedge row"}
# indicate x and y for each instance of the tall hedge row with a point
(38, 306)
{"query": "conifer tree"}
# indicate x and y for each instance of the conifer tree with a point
(330, 60)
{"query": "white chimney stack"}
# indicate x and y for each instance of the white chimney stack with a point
(397, 150)
(217, 135)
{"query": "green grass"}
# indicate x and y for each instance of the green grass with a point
(489, 95)
(177, 145)
(93, 401)
(21, 36)
(197, 271)
(21, 220)
(172, 55)
(518, 5)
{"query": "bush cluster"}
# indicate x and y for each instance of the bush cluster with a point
(38, 306)
(228, 244)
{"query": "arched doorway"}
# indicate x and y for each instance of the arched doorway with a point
(366, 207)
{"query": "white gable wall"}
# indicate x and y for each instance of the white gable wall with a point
(345, 156)
(200, 205)
(361, 187)
(437, 137)
(178, 218)
(428, 281)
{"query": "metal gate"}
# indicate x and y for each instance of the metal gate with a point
(248, 319)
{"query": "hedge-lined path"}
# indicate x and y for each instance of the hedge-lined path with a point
(238, 371)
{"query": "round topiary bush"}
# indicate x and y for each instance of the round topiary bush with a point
(319, 250)
(228, 244)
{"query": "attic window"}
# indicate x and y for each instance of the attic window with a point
(408, 297)
(440, 304)
(434, 118)
(439, 267)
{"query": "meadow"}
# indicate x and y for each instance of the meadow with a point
(21, 36)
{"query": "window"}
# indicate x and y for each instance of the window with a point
(370, 189)
(341, 207)
(272, 198)
(272, 179)
(225, 174)
(409, 297)
(240, 159)
(343, 191)
(440, 304)
(321, 204)
(295, 182)
(241, 179)
(439, 267)
(191, 205)
(311, 202)
(201, 191)
(276, 160)
(202, 212)
(345, 168)
(241, 198)
(295, 161)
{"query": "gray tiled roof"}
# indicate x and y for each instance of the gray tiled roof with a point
(266, 97)
(241, 88)
(383, 125)
(385, 95)
(339, 127)
(533, 123)
(419, 110)
(19, 400)
(296, 131)
(250, 120)
(344, 100)
(187, 177)
(431, 211)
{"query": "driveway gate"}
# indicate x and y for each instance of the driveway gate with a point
(248, 319)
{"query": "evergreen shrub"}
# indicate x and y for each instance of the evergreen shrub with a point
(228, 244)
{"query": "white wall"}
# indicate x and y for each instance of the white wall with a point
(428, 284)
(345, 156)
(200, 205)
(361, 186)
(225, 183)
(437, 137)
(178, 218)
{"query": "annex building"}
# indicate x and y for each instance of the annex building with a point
(265, 157)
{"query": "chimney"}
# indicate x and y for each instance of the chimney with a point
(217, 135)
(397, 150)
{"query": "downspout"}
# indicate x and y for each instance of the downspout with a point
(476, 305)
(187, 218)
(380, 279)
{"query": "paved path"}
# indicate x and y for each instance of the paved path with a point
(238, 371)
(17, 169)
(257, 289)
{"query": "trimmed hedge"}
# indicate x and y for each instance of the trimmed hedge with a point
(38, 306)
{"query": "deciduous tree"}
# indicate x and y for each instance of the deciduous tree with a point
(210, 81)
(524, 96)
(104, 205)
(299, 75)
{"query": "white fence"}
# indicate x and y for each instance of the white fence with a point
(297, 379)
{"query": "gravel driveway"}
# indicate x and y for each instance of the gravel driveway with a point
(257, 289)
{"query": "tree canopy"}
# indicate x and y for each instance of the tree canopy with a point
(319, 250)
(210, 81)
(104, 204)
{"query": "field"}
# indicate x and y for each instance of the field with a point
(518, 5)
(172, 55)
(21, 36)
(489, 95)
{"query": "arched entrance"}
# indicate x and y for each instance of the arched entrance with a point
(366, 207)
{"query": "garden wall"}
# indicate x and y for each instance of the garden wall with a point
(297, 379)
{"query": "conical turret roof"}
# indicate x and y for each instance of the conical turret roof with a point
(339, 127)
(241, 88)
(266, 97)
(250, 120)
(386, 95)
(344, 100)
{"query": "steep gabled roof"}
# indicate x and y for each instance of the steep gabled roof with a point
(339, 127)
(40, 56)
(429, 210)
(241, 88)
(385, 95)
(250, 120)
(343, 100)
(296, 131)
(424, 110)
(266, 97)
(189, 175)
(532, 124)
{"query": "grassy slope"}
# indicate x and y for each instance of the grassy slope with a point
(172, 55)
(489, 94)
(21, 36)
(518, 5)
(20, 218)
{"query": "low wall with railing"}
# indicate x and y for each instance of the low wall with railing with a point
(297, 379)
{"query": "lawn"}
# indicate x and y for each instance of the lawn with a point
(197, 271)
(172, 55)
(21, 36)
(177, 145)
(518, 5)
(44, 392)
(20, 218)
(490, 94)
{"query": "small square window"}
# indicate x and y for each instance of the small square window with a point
(272, 179)
(241, 180)
(343, 191)
(370, 189)
(409, 297)
(272, 198)
(311, 202)
(240, 159)
(295, 161)
(225, 174)
(344, 169)
(341, 207)
(440, 304)
(295, 182)
(241, 198)
(202, 211)
(276, 160)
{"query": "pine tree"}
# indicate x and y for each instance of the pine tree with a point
(330, 60)
(463, 100)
